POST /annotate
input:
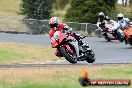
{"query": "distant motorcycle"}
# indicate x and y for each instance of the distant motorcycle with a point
(73, 51)
(109, 33)
(128, 35)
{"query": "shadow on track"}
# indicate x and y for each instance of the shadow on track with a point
(127, 47)
(109, 41)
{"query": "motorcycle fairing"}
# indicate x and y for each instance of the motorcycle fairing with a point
(68, 47)
(54, 43)
(74, 43)
(128, 33)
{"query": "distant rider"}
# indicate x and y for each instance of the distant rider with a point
(114, 25)
(123, 23)
(103, 20)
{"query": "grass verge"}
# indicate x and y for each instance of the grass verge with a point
(25, 53)
(60, 77)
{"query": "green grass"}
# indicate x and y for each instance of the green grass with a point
(59, 77)
(36, 85)
(41, 85)
(25, 53)
(10, 55)
(113, 71)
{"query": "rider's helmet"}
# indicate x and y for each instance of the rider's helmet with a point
(120, 16)
(101, 15)
(53, 22)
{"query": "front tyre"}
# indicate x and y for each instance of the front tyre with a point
(67, 56)
(130, 41)
(106, 37)
(121, 39)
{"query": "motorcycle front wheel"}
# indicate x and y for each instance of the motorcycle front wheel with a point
(121, 39)
(68, 56)
(106, 37)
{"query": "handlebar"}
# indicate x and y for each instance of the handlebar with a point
(82, 37)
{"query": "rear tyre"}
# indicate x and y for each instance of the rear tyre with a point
(106, 37)
(91, 57)
(121, 38)
(130, 42)
(67, 56)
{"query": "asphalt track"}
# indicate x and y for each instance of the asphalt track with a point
(106, 52)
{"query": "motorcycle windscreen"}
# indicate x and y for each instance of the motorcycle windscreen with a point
(56, 34)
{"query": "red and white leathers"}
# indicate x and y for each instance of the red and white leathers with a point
(60, 28)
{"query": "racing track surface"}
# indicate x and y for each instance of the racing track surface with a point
(106, 52)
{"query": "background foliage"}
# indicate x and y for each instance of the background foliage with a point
(36, 9)
(87, 10)
(73, 10)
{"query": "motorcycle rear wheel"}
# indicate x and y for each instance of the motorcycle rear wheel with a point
(91, 57)
(130, 42)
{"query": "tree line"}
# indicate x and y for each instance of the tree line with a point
(79, 10)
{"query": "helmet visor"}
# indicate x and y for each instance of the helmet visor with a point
(120, 18)
(101, 16)
(53, 25)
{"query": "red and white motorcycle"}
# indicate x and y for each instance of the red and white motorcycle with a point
(72, 49)
(111, 32)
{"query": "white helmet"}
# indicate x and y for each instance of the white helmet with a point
(120, 15)
(101, 14)
(53, 22)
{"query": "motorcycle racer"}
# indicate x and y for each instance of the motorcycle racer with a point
(69, 45)
(62, 27)
(123, 23)
(101, 20)
(56, 26)
(107, 25)
(115, 27)
(105, 20)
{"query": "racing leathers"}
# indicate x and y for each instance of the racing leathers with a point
(62, 27)
(124, 24)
